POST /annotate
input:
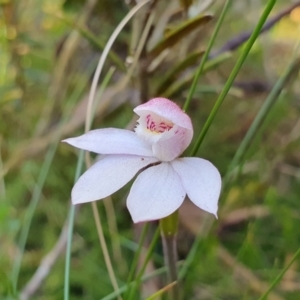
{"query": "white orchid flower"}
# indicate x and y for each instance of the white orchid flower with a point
(163, 132)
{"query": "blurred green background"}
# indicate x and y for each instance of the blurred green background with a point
(49, 51)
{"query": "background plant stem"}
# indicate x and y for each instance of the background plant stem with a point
(233, 74)
(169, 229)
(205, 56)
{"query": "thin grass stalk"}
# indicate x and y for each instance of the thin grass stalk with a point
(233, 75)
(114, 233)
(205, 56)
(149, 254)
(124, 288)
(244, 146)
(70, 231)
(101, 90)
(139, 276)
(38, 190)
(292, 69)
(162, 291)
(36, 195)
(57, 88)
(136, 256)
(280, 275)
(88, 123)
(101, 237)
(2, 182)
(141, 45)
(138, 52)
(72, 208)
(92, 39)
(207, 221)
(138, 252)
(104, 247)
(109, 208)
(103, 57)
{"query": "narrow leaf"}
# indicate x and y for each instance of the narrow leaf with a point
(189, 61)
(181, 31)
(185, 82)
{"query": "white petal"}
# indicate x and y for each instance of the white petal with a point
(201, 180)
(111, 141)
(163, 124)
(172, 143)
(156, 193)
(107, 176)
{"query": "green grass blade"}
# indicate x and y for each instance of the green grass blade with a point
(233, 74)
(175, 35)
(182, 84)
(124, 288)
(244, 146)
(264, 111)
(136, 257)
(162, 291)
(93, 40)
(30, 213)
(72, 208)
(199, 241)
(280, 275)
(141, 272)
(39, 186)
(70, 230)
(138, 252)
(205, 56)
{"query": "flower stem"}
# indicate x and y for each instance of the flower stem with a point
(169, 228)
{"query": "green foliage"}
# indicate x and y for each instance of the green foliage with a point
(49, 51)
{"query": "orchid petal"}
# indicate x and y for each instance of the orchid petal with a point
(165, 126)
(156, 193)
(172, 143)
(201, 180)
(111, 141)
(167, 110)
(107, 176)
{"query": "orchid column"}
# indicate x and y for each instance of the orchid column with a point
(163, 132)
